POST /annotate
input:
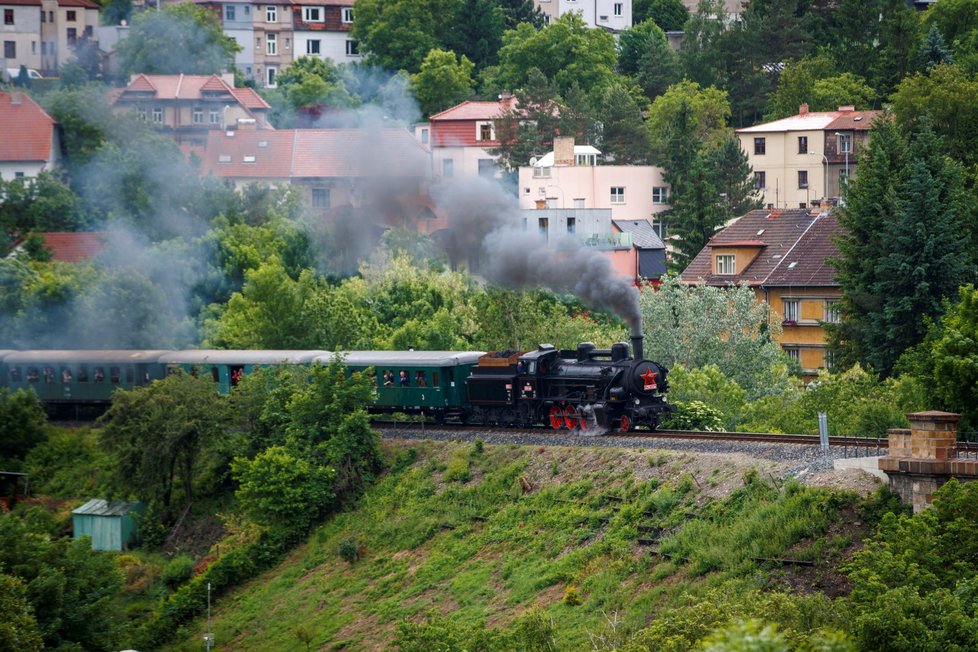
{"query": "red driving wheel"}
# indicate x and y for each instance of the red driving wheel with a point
(626, 424)
(570, 417)
(556, 417)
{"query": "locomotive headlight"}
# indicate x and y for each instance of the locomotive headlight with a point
(636, 401)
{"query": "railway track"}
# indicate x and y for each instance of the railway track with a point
(751, 437)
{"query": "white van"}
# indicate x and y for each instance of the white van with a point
(12, 74)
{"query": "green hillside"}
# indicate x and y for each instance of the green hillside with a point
(461, 546)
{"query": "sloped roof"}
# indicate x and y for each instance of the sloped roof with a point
(817, 121)
(190, 87)
(68, 247)
(87, 4)
(250, 99)
(26, 130)
(794, 244)
(643, 233)
(314, 153)
(471, 110)
(100, 507)
(21, 3)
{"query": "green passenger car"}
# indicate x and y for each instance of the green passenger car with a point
(84, 376)
(227, 367)
(415, 382)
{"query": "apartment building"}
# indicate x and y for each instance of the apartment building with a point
(612, 15)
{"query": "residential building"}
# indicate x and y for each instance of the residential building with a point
(648, 250)
(569, 177)
(732, 8)
(612, 15)
(334, 168)
(273, 40)
(782, 255)
(29, 140)
(461, 139)
(190, 106)
(322, 29)
(236, 20)
(74, 246)
(803, 159)
(20, 34)
(63, 24)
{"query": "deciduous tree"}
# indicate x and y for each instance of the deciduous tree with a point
(442, 82)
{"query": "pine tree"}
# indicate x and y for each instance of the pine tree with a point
(697, 210)
(934, 50)
(733, 178)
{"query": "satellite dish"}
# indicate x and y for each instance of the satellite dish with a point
(533, 161)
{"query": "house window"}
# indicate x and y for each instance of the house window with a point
(50, 16)
(271, 14)
(793, 352)
(791, 311)
(320, 197)
(8, 16)
(424, 136)
(487, 167)
(198, 116)
(448, 167)
(831, 313)
(618, 8)
(802, 179)
(571, 225)
(484, 131)
(72, 35)
(229, 12)
(352, 48)
(158, 115)
(70, 16)
(44, 16)
(10, 49)
(312, 46)
(347, 16)
(141, 113)
(544, 227)
(270, 73)
(760, 146)
(617, 194)
(215, 117)
(845, 143)
(802, 144)
(660, 195)
(271, 43)
(312, 14)
(760, 181)
(541, 172)
(726, 264)
(33, 47)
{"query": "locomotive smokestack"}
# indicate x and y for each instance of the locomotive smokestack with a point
(637, 352)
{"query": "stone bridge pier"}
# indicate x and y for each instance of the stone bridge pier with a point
(925, 456)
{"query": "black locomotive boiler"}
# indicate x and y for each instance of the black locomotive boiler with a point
(590, 388)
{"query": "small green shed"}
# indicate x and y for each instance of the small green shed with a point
(108, 522)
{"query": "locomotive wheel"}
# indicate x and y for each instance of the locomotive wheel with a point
(626, 424)
(570, 417)
(582, 421)
(556, 417)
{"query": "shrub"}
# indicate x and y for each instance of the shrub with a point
(178, 570)
(695, 415)
(457, 469)
(571, 598)
(349, 550)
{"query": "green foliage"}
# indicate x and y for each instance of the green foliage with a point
(694, 415)
(571, 598)
(18, 628)
(709, 385)
(68, 464)
(693, 326)
(624, 139)
(349, 550)
(179, 39)
(159, 437)
(69, 586)
(795, 85)
(687, 110)
(668, 15)
(22, 422)
(442, 82)
(42, 203)
(398, 35)
(178, 570)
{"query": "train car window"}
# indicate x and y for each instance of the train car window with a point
(15, 374)
(130, 375)
(420, 380)
(49, 374)
(532, 368)
(403, 379)
(32, 374)
(99, 375)
(114, 375)
(450, 377)
(434, 379)
(215, 374)
(388, 378)
(236, 375)
(66, 375)
(82, 375)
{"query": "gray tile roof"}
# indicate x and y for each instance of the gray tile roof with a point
(643, 233)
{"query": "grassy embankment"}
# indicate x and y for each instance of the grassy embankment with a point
(482, 535)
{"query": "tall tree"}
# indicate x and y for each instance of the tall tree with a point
(442, 82)
(181, 38)
(795, 84)
(528, 128)
(478, 32)
(522, 11)
(398, 34)
(733, 178)
(697, 210)
(699, 114)
(624, 139)
(933, 50)
(702, 57)
(896, 54)
(669, 15)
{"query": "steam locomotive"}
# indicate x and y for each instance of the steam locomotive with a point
(584, 389)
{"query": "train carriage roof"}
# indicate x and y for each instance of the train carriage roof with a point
(404, 358)
(251, 356)
(107, 356)
(5, 352)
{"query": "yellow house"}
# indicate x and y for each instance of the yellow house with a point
(782, 255)
(801, 160)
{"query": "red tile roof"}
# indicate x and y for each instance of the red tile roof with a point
(250, 99)
(69, 247)
(190, 87)
(22, 3)
(475, 110)
(314, 153)
(796, 244)
(87, 4)
(26, 130)
(853, 121)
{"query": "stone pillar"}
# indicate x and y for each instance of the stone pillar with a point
(923, 458)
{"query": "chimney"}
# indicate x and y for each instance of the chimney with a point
(637, 351)
(803, 108)
(563, 150)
